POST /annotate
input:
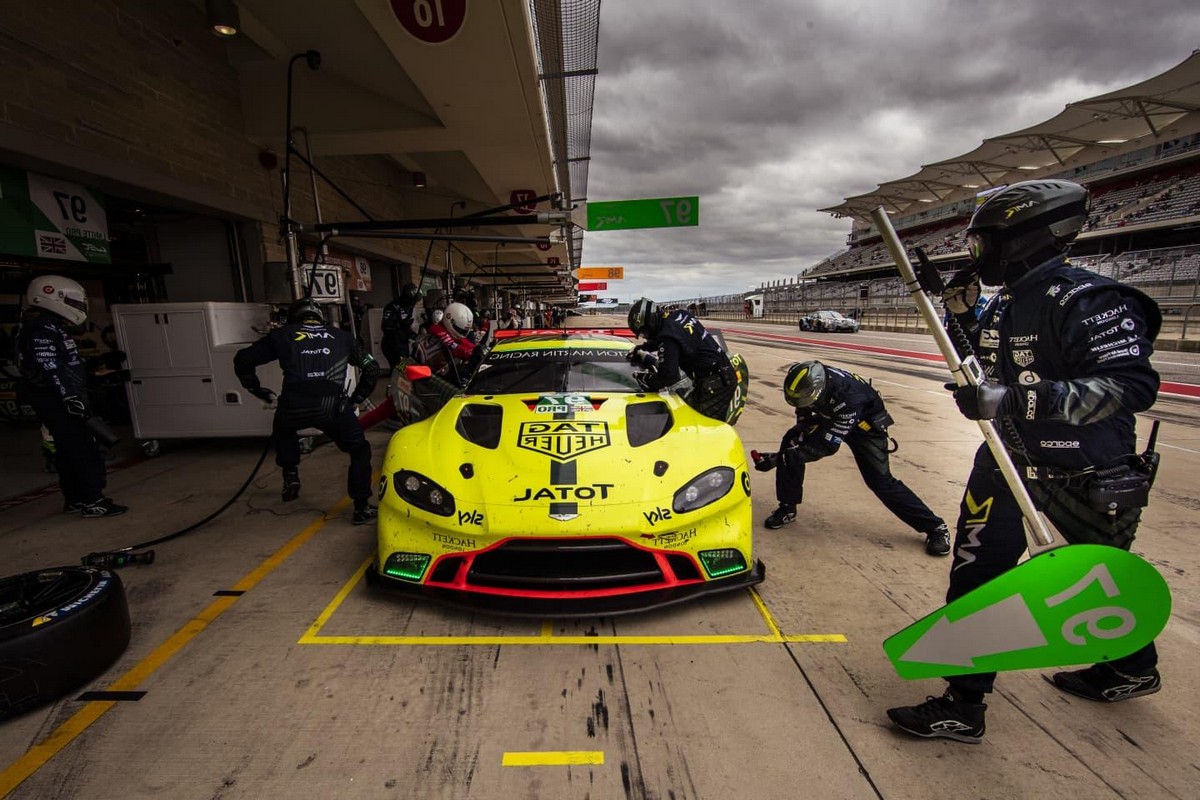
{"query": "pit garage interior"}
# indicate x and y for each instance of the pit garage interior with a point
(262, 665)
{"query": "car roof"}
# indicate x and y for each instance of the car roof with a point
(599, 339)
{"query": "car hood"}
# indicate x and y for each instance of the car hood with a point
(587, 449)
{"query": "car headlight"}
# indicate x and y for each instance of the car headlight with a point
(725, 561)
(409, 566)
(415, 489)
(705, 488)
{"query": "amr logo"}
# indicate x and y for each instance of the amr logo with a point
(974, 522)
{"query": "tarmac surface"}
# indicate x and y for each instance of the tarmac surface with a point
(298, 681)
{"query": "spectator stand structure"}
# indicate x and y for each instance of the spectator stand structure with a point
(1137, 149)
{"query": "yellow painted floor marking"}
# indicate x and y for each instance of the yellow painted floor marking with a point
(552, 758)
(762, 609)
(33, 759)
(547, 637)
(338, 599)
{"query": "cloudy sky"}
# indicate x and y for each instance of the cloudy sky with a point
(771, 109)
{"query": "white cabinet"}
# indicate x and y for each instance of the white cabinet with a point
(180, 359)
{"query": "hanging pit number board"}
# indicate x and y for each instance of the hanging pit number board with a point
(327, 285)
(431, 21)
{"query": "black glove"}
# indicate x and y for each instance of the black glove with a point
(961, 293)
(765, 462)
(75, 406)
(264, 394)
(987, 400)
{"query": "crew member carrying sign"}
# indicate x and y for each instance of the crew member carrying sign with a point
(1067, 357)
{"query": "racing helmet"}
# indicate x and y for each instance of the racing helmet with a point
(458, 320)
(58, 295)
(805, 384)
(305, 310)
(644, 318)
(1024, 225)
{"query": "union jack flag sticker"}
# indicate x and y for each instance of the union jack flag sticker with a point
(52, 244)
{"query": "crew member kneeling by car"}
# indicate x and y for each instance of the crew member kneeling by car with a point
(314, 357)
(454, 331)
(835, 406)
(685, 346)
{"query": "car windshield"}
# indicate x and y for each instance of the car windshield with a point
(559, 370)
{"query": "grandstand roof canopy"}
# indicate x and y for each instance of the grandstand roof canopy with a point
(1084, 132)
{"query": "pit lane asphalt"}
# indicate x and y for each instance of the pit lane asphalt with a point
(237, 707)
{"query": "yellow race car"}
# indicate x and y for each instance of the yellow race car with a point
(555, 485)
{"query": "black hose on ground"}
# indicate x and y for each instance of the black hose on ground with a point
(126, 555)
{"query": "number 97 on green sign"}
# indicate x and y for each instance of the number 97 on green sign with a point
(655, 212)
(1078, 604)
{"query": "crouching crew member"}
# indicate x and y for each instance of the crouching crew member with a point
(835, 406)
(685, 347)
(454, 331)
(314, 358)
(1066, 353)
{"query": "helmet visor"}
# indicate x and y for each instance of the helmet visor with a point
(79, 304)
(805, 387)
(975, 246)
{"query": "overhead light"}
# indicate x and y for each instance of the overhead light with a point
(924, 200)
(419, 180)
(1028, 168)
(1112, 141)
(970, 185)
(223, 19)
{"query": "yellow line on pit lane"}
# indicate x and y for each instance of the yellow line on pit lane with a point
(552, 758)
(547, 637)
(34, 758)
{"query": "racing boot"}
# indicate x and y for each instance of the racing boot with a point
(1106, 684)
(291, 484)
(784, 515)
(937, 541)
(944, 717)
(104, 507)
(364, 513)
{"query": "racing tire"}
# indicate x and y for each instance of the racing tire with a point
(59, 629)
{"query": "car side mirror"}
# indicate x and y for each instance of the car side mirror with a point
(416, 372)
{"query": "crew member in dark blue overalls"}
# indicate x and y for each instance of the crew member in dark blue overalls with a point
(835, 406)
(1067, 358)
(55, 383)
(684, 346)
(397, 326)
(314, 357)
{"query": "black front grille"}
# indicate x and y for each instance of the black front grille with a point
(564, 565)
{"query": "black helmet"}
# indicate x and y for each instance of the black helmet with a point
(805, 384)
(1023, 225)
(644, 318)
(305, 310)
(410, 294)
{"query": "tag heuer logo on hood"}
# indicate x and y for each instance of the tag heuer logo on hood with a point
(563, 440)
(1022, 358)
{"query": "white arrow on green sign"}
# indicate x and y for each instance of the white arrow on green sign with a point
(656, 212)
(1079, 604)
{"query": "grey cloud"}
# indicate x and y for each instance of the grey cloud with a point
(771, 110)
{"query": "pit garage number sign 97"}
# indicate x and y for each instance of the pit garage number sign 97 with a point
(327, 287)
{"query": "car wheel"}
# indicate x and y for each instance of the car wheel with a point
(59, 628)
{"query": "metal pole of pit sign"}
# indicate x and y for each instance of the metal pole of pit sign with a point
(967, 372)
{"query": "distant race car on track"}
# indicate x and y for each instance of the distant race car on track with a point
(828, 322)
(555, 485)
